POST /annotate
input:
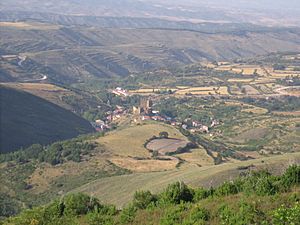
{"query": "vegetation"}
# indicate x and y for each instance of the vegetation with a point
(56, 153)
(275, 200)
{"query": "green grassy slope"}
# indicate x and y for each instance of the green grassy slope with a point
(254, 198)
(28, 119)
(119, 190)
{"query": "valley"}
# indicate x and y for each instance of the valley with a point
(109, 106)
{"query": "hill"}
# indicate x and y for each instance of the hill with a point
(31, 50)
(28, 119)
(256, 197)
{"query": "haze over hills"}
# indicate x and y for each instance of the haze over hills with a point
(264, 12)
(68, 54)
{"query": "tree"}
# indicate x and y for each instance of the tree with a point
(163, 134)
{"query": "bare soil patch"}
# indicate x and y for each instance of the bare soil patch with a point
(166, 145)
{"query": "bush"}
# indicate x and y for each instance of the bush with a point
(8, 206)
(176, 193)
(199, 214)
(284, 215)
(291, 176)
(260, 183)
(79, 204)
(226, 215)
(142, 199)
(228, 188)
(200, 193)
(128, 214)
(163, 134)
(173, 215)
(55, 209)
(247, 214)
(95, 218)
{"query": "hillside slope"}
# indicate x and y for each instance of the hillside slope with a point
(71, 54)
(27, 119)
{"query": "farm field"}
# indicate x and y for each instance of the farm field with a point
(203, 91)
(120, 189)
(198, 157)
(164, 146)
(29, 26)
(145, 165)
(130, 140)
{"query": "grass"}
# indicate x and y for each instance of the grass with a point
(119, 190)
(130, 140)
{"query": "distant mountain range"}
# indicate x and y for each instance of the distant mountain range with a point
(265, 12)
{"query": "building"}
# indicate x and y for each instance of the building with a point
(145, 107)
(120, 92)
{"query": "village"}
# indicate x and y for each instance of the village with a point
(145, 112)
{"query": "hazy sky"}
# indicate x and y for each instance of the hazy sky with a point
(278, 4)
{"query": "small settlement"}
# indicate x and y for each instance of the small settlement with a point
(144, 111)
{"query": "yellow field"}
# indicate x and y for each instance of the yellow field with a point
(204, 90)
(256, 110)
(130, 141)
(29, 26)
(237, 70)
(249, 71)
(145, 165)
(223, 68)
(197, 156)
(237, 80)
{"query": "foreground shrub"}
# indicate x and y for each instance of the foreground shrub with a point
(291, 176)
(95, 218)
(247, 214)
(198, 215)
(286, 216)
(227, 188)
(142, 199)
(201, 193)
(176, 193)
(80, 204)
(173, 215)
(260, 183)
(128, 214)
